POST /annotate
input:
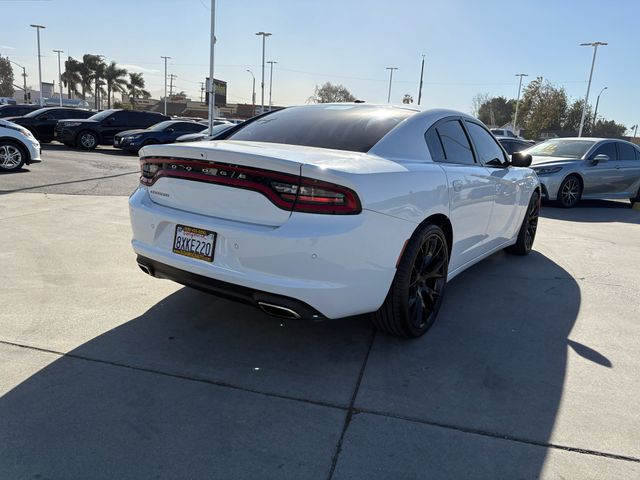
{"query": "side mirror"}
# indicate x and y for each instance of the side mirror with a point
(601, 158)
(520, 159)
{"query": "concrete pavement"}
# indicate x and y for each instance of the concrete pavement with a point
(530, 371)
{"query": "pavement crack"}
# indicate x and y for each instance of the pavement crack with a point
(351, 410)
(24, 189)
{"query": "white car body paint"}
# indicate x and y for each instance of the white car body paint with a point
(340, 265)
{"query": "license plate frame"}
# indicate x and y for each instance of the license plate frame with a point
(192, 242)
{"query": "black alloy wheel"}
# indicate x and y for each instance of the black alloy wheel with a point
(529, 227)
(417, 291)
(569, 192)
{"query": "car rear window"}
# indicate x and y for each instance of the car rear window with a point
(341, 127)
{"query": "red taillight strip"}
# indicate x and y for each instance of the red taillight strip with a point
(286, 201)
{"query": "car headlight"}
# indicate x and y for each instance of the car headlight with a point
(546, 170)
(20, 129)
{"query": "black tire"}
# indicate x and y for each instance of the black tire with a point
(570, 192)
(87, 140)
(416, 294)
(12, 156)
(528, 229)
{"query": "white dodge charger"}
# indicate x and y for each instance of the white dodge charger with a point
(332, 210)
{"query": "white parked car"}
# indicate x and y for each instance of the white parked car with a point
(332, 210)
(17, 147)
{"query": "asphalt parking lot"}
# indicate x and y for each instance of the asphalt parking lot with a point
(530, 371)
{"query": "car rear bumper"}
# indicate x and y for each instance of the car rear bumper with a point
(337, 265)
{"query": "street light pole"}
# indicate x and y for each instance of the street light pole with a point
(421, 76)
(595, 46)
(264, 36)
(270, 81)
(212, 87)
(38, 27)
(515, 117)
(253, 91)
(595, 113)
(59, 74)
(165, 83)
(391, 69)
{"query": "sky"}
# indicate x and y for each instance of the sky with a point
(470, 46)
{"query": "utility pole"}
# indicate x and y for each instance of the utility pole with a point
(253, 91)
(391, 69)
(212, 83)
(264, 36)
(515, 117)
(270, 81)
(172, 77)
(165, 83)
(38, 27)
(201, 92)
(421, 75)
(59, 74)
(595, 46)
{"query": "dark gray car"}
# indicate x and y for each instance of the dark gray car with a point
(591, 168)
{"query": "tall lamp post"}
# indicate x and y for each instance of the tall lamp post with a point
(391, 69)
(595, 46)
(595, 113)
(271, 62)
(165, 83)
(421, 76)
(38, 27)
(515, 116)
(212, 86)
(59, 74)
(264, 36)
(253, 90)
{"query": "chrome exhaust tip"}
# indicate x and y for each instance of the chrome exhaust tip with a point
(145, 269)
(278, 311)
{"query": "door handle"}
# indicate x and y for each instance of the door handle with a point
(457, 185)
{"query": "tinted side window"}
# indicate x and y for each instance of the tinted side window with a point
(187, 127)
(608, 148)
(434, 145)
(487, 147)
(626, 151)
(520, 146)
(149, 119)
(455, 142)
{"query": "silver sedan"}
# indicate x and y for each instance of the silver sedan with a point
(591, 168)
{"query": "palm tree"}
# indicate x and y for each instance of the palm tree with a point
(113, 76)
(71, 76)
(97, 67)
(86, 75)
(136, 87)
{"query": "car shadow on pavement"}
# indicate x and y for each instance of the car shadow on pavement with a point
(594, 211)
(198, 387)
(101, 149)
(492, 367)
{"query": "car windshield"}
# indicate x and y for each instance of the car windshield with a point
(102, 115)
(162, 125)
(341, 127)
(37, 112)
(561, 148)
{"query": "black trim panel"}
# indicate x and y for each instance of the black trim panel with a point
(226, 290)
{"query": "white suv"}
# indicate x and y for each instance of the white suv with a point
(17, 146)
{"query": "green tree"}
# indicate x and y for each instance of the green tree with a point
(497, 111)
(573, 116)
(97, 67)
(71, 76)
(86, 76)
(543, 107)
(6, 78)
(115, 80)
(136, 87)
(608, 128)
(329, 93)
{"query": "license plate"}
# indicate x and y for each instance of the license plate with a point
(194, 242)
